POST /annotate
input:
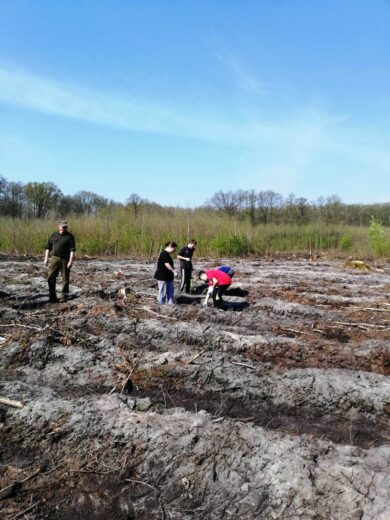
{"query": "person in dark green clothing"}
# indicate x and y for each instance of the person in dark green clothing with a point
(62, 246)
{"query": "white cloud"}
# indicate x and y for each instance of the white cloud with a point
(290, 142)
(72, 101)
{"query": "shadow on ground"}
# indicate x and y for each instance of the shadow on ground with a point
(35, 302)
(189, 299)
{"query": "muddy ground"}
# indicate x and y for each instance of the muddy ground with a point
(276, 407)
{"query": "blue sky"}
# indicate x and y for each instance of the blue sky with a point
(177, 99)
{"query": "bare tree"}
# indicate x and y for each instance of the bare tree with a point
(301, 203)
(41, 197)
(134, 201)
(12, 198)
(88, 202)
(225, 201)
(333, 209)
(267, 202)
(249, 203)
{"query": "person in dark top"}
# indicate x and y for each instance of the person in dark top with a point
(218, 282)
(165, 274)
(186, 268)
(62, 246)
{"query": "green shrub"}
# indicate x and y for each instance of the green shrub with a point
(379, 243)
(231, 245)
(92, 246)
(346, 243)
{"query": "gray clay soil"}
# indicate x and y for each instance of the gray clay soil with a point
(276, 407)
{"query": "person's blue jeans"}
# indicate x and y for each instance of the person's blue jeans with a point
(165, 292)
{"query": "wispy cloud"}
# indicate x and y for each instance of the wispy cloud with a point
(72, 101)
(243, 79)
(287, 142)
(306, 128)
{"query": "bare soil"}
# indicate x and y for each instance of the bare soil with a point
(275, 407)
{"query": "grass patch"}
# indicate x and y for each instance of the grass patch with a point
(120, 232)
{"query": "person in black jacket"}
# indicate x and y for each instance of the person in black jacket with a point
(165, 274)
(62, 246)
(186, 268)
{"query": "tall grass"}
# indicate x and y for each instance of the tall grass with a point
(120, 232)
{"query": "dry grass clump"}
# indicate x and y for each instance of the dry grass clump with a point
(357, 264)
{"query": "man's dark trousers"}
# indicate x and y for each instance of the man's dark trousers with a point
(186, 274)
(58, 264)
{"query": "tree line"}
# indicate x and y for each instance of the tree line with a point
(44, 199)
(269, 207)
(39, 200)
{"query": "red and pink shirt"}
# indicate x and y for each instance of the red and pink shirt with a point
(223, 278)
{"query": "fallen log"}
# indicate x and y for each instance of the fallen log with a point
(157, 314)
(40, 329)
(12, 488)
(360, 325)
(22, 513)
(9, 491)
(242, 365)
(10, 402)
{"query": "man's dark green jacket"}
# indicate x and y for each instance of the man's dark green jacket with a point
(61, 245)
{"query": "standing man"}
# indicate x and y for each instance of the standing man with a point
(218, 282)
(186, 268)
(62, 246)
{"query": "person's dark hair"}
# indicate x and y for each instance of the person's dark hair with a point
(193, 242)
(200, 273)
(170, 244)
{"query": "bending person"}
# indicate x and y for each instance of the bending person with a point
(218, 282)
(226, 269)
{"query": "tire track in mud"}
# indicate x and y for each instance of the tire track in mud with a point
(361, 430)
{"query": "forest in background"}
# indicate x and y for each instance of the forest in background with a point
(230, 223)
